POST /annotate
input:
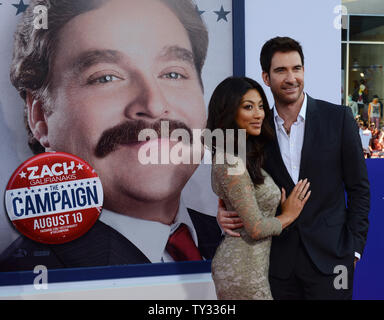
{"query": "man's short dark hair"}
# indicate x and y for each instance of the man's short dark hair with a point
(278, 44)
(34, 49)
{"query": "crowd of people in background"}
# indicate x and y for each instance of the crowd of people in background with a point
(369, 117)
(372, 138)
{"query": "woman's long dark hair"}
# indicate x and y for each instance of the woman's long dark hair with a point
(222, 110)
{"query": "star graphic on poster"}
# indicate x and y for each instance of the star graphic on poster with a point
(21, 7)
(200, 12)
(79, 166)
(222, 14)
(22, 174)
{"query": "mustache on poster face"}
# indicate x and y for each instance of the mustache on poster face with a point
(128, 132)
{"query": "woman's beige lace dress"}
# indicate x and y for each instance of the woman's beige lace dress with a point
(240, 265)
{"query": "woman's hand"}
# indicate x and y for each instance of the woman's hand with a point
(228, 220)
(292, 206)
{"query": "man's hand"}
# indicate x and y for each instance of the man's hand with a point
(354, 262)
(228, 220)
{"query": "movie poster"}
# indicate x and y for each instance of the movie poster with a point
(85, 73)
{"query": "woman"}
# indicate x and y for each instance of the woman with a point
(374, 114)
(240, 265)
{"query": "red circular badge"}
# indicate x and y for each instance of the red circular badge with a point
(54, 197)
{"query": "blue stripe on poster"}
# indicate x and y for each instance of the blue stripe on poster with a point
(105, 273)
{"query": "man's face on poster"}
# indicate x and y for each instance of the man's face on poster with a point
(127, 61)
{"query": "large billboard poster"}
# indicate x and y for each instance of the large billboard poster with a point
(117, 67)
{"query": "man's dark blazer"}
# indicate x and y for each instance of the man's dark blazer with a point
(100, 246)
(331, 226)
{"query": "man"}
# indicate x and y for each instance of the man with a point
(365, 137)
(103, 71)
(318, 141)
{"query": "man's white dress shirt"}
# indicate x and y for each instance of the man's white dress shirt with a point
(292, 144)
(149, 237)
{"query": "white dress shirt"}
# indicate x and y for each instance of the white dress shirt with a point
(292, 144)
(149, 237)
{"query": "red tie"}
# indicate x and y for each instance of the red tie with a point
(181, 246)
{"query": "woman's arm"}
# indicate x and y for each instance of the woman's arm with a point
(240, 192)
